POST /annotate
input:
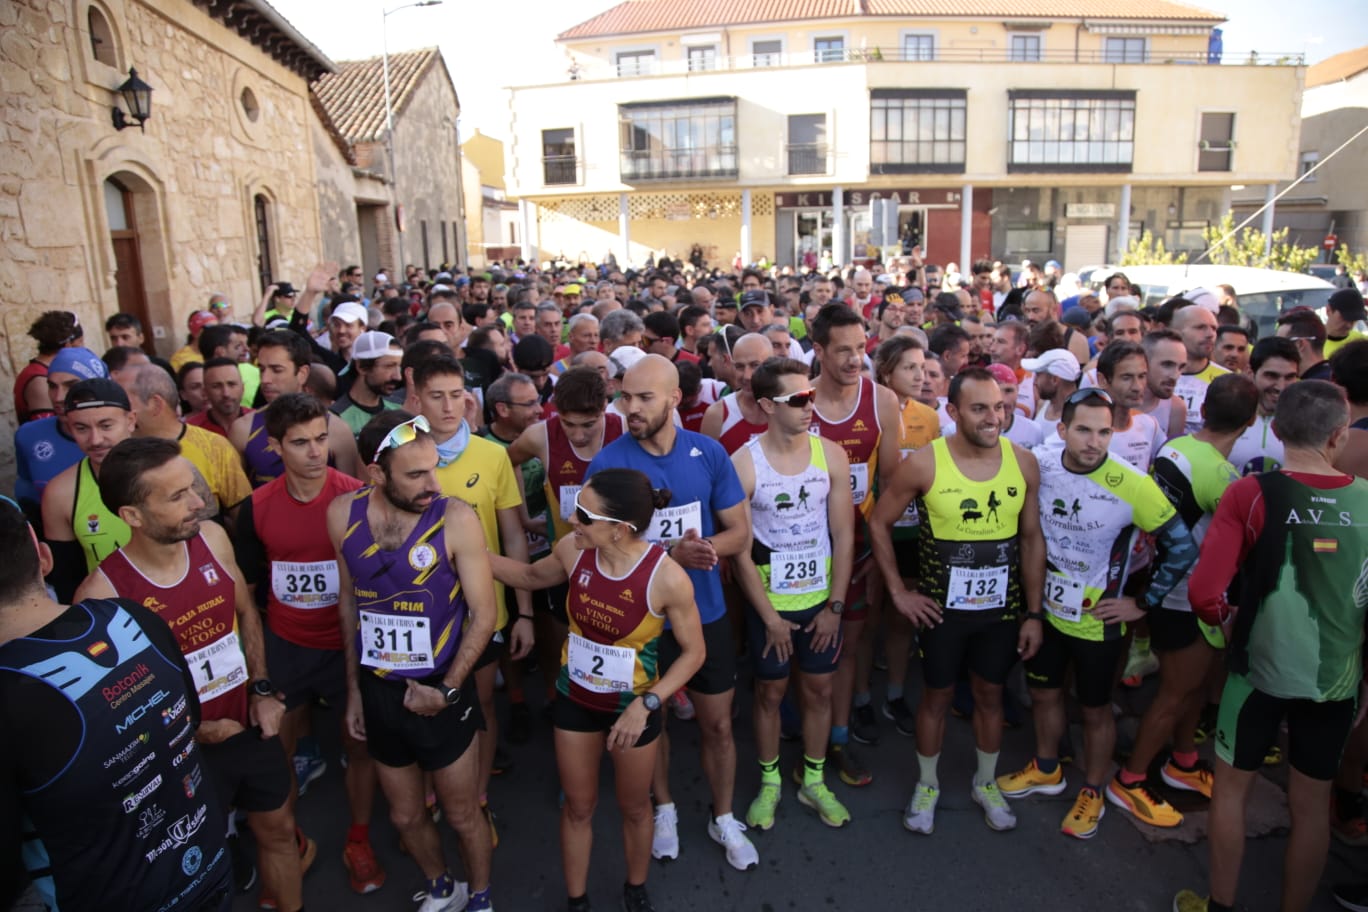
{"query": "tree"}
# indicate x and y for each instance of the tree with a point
(1246, 247)
(1148, 250)
(1353, 263)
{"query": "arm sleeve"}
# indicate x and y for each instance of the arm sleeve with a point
(1178, 552)
(248, 551)
(1234, 527)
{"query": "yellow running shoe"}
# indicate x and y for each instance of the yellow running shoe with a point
(1187, 901)
(819, 798)
(1030, 781)
(1087, 812)
(1146, 806)
(1198, 779)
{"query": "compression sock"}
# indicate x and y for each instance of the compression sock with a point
(893, 693)
(1140, 645)
(1185, 760)
(840, 735)
(358, 832)
(987, 768)
(1047, 765)
(479, 901)
(769, 772)
(812, 770)
(927, 767)
(441, 887)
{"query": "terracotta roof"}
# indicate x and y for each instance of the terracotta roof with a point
(634, 16)
(353, 98)
(1337, 68)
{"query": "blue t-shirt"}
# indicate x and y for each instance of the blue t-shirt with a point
(702, 482)
(42, 452)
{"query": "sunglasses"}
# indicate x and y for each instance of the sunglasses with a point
(401, 434)
(799, 399)
(588, 519)
(1089, 392)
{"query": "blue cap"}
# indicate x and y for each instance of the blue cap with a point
(82, 362)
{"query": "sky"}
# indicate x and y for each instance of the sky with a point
(490, 45)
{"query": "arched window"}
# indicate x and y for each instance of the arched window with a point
(102, 46)
(262, 207)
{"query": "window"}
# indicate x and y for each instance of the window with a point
(1124, 50)
(919, 47)
(916, 131)
(101, 38)
(702, 57)
(262, 206)
(828, 50)
(767, 53)
(1217, 142)
(1024, 49)
(1308, 161)
(558, 157)
(1030, 237)
(676, 139)
(1070, 131)
(635, 63)
(807, 146)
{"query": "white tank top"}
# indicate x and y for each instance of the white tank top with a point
(789, 512)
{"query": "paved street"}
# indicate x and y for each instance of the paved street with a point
(872, 864)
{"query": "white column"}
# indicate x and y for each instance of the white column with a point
(527, 215)
(624, 233)
(966, 229)
(838, 239)
(1123, 223)
(746, 227)
(1267, 227)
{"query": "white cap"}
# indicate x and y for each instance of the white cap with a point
(1059, 362)
(1204, 298)
(381, 279)
(350, 312)
(374, 344)
(1122, 303)
(623, 358)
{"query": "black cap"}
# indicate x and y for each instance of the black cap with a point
(1348, 303)
(285, 289)
(533, 353)
(754, 298)
(97, 393)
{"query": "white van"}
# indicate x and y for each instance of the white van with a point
(1263, 294)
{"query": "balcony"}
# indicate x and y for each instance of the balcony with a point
(560, 169)
(679, 164)
(807, 158)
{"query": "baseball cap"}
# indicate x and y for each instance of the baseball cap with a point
(285, 290)
(1052, 264)
(724, 301)
(1122, 302)
(350, 312)
(1002, 373)
(200, 319)
(374, 344)
(1348, 303)
(1059, 362)
(381, 279)
(573, 289)
(623, 358)
(754, 298)
(1077, 317)
(99, 392)
(533, 353)
(1204, 298)
(81, 362)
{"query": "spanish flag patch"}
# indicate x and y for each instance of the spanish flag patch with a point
(1325, 546)
(97, 647)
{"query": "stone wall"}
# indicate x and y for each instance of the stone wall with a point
(427, 164)
(228, 123)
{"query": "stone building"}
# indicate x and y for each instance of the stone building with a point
(360, 201)
(491, 215)
(214, 194)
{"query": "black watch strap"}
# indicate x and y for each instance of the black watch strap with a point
(1035, 616)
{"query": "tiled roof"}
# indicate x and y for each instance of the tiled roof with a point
(1341, 66)
(634, 16)
(353, 98)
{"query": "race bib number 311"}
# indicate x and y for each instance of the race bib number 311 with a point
(393, 643)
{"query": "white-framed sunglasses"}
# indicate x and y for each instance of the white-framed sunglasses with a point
(588, 519)
(401, 434)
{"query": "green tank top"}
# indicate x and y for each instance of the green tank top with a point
(970, 553)
(99, 531)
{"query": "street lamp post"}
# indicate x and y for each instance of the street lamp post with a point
(402, 265)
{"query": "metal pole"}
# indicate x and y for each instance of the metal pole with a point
(838, 239)
(1270, 192)
(1123, 223)
(402, 266)
(966, 229)
(746, 226)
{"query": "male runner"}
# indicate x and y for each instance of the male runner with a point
(1092, 504)
(1295, 650)
(1275, 366)
(1123, 373)
(183, 570)
(1197, 327)
(708, 518)
(737, 418)
(416, 601)
(795, 576)
(1167, 355)
(223, 389)
(982, 558)
(853, 411)
(282, 542)
(44, 447)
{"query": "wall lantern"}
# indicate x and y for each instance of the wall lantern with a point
(137, 96)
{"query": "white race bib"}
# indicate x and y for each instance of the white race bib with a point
(393, 643)
(305, 585)
(218, 667)
(859, 482)
(600, 668)
(1064, 597)
(669, 524)
(568, 493)
(798, 572)
(977, 590)
(910, 518)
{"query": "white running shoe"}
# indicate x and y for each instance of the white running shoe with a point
(731, 835)
(456, 902)
(920, 816)
(996, 813)
(665, 840)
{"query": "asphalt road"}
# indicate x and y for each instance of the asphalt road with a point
(872, 864)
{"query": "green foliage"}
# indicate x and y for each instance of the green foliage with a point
(1246, 248)
(1148, 250)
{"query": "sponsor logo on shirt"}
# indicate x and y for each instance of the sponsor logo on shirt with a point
(127, 750)
(138, 769)
(133, 799)
(138, 712)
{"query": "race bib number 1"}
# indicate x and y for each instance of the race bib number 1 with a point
(669, 524)
(600, 668)
(977, 589)
(1064, 597)
(218, 668)
(393, 643)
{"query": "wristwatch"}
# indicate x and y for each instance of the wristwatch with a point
(1035, 616)
(650, 701)
(452, 695)
(262, 687)
(837, 608)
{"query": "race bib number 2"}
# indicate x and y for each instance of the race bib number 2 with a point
(392, 643)
(600, 668)
(977, 589)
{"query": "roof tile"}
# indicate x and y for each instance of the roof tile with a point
(1339, 67)
(353, 98)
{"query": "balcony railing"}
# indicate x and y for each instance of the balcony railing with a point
(592, 70)
(807, 158)
(560, 169)
(678, 164)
